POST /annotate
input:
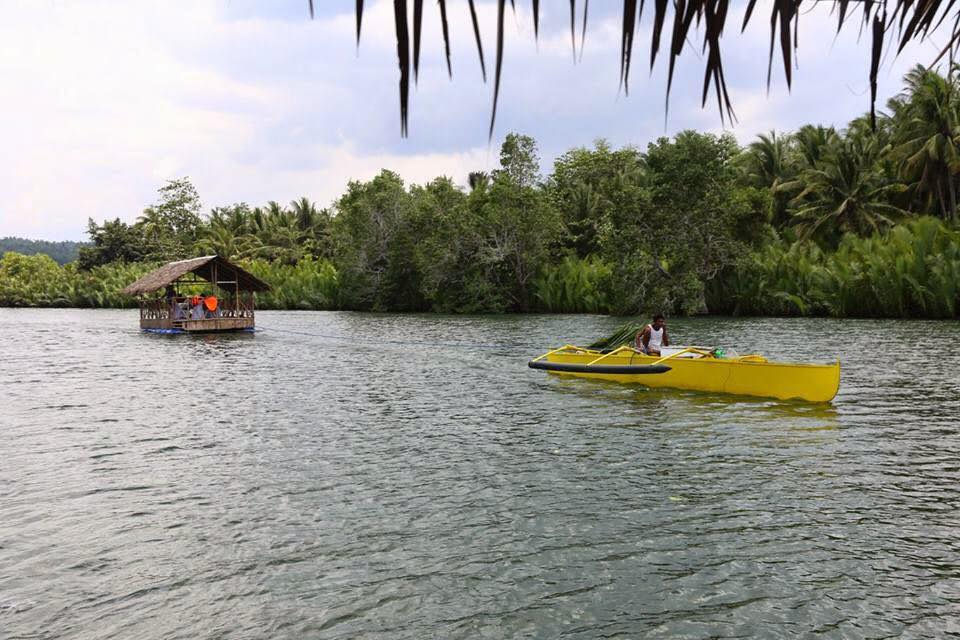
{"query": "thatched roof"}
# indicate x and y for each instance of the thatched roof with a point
(202, 268)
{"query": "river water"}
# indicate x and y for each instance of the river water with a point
(342, 475)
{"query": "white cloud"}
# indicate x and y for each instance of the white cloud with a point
(103, 101)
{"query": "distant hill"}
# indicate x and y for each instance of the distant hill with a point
(63, 252)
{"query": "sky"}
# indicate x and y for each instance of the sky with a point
(104, 101)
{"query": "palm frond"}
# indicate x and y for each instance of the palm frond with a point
(894, 22)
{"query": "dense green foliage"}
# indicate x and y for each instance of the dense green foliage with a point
(38, 281)
(913, 271)
(308, 284)
(859, 221)
(576, 285)
(63, 252)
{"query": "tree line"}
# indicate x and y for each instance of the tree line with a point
(63, 251)
(820, 221)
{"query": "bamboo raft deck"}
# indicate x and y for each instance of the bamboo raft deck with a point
(234, 313)
(174, 311)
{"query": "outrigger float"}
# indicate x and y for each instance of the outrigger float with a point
(699, 369)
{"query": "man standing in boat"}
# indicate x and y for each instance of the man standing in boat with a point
(653, 336)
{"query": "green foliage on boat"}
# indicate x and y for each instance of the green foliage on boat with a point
(624, 335)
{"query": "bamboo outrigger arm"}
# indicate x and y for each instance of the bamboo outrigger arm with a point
(614, 352)
(550, 353)
(701, 352)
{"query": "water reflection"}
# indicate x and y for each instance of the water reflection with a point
(661, 401)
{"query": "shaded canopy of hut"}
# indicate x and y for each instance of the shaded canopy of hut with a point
(202, 268)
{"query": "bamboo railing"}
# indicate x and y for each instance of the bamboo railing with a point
(180, 308)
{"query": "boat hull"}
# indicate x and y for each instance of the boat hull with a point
(204, 325)
(785, 381)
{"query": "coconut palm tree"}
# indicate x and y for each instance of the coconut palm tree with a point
(220, 240)
(235, 218)
(767, 163)
(314, 227)
(582, 218)
(276, 214)
(305, 213)
(810, 141)
(846, 192)
(927, 114)
(158, 235)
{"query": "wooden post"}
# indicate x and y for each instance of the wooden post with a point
(236, 294)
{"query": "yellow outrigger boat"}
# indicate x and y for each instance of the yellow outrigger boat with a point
(697, 368)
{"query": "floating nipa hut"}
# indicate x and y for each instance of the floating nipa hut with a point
(208, 294)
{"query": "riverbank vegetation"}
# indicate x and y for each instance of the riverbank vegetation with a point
(854, 222)
(63, 251)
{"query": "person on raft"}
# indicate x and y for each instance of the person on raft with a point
(653, 337)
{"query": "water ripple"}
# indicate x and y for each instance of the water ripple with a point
(352, 485)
